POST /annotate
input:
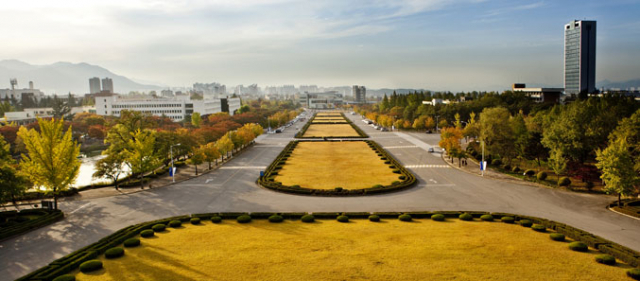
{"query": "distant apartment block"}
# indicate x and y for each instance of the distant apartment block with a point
(580, 57)
(107, 85)
(210, 90)
(94, 85)
(176, 108)
(359, 94)
(539, 95)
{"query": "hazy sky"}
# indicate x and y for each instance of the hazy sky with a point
(433, 44)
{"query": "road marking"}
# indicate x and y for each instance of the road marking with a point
(432, 185)
(407, 146)
(433, 181)
(242, 168)
(81, 207)
(427, 166)
(207, 181)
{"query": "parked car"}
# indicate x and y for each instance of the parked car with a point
(384, 129)
(278, 131)
(431, 149)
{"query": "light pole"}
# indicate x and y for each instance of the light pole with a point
(437, 117)
(482, 164)
(173, 172)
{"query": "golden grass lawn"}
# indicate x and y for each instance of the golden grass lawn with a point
(327, 165)
(331, 120)
(322, 114)
(358, 250)
(330, 130)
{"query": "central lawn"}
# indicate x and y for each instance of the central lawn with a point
(327, 165)
(330, 130)
(358, 250)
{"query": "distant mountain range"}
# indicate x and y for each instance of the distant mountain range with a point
(64, 77)
(624, 85)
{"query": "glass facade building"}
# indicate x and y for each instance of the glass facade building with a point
(580, 57)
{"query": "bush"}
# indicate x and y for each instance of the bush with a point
(147, 233)
(308, 218)
(114, 252)
(343, 218)
(159, 227)
(216, 219)
(90, 265)
(338, 189)
(634, 273)
(405, 217)
(374, 218)
(589, 185)
(539, 228)
(564, 181)
(486, 217)
(66, 277)
(529, 173)
(578, 246)
(516, 169)
(175, 223)
(466, 217)
(557, 237)
(132, 242)
(276, 218)
(195, 221)
(496, 162)
(606, 259)
(507, 219)
(526, 223)
(438, 217)
(506, 167)
(244, 219)
(542, 176)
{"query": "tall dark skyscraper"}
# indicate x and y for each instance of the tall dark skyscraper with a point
(580, 57)
(107, 85)
(94, 85)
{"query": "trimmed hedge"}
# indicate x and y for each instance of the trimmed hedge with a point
(530, 173)
(526, 223)
(606, 259)
(159, 227)
(216, 219)
(308, 218)
(539, 228)
(405, 180)
(195, 221)
(634, 273)
(466, 217)
(542, 176)
(343, 218)
(114, 252)
(66, 277)
(438, 217)
(486, 217)
(45, 217)
(361, 134)
(131, 242)
(175, 223)
(578, 246)
(91, 265)
(244, 219)
(276, 218)
(564, 181)
(516, 169)
(147, 233)
(557, 237)
(405, 217)
(374, 218)
(507, 219)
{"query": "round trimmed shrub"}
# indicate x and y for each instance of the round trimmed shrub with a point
(90, 265)
(131, 242)
(486, 217)
(147, 233)
(526, 223)
(244, 219)
(564, 181)
(338, 189)
(275, 218)
(606, 259)
(542, 176)
(374, 218)
(539, 228)
(308, 218)
(114, 252)
(496, 162)
(159, 227)
(216, 219)
(466, 217)
(343, 218)
(557, 237)
(437, 217)
(66, 277)
(578, 246)
(529, 173)
(516, 169)
(404, 217)
(195, 221)
(507, 219)
(634, 273)
(175, 223)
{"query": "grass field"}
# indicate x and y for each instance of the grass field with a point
(329, 119)
(358, 250)
(330, 130)
(327, 165)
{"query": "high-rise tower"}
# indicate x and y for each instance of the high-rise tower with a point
(94, 85)
(580, 57)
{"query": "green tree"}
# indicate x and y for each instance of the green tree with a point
(557, 162)
(60, 108)
(618, 174)
(52, 160)
(140, 154)
(496, 132)
(110, 167)
(196, 120)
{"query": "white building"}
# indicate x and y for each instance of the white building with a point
(20, 94)
(29, 115)
(176, 108)
(323, 100)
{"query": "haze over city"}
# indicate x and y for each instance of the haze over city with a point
(435, 44)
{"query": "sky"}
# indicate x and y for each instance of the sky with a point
(456, 45)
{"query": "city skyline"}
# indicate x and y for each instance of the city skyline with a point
(437, 45)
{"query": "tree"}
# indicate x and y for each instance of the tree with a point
(450, 141)
(496, 132)
(140, 154)
(443, 123)
(110, 167)
(196, 120)
(224, 145)
(557, 162)
(429, 123)
(12, 183)
(197, 157)
(616, 164)
(60, 108)
(52, 160)
(211, 153)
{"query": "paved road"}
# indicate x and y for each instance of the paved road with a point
(233, 188)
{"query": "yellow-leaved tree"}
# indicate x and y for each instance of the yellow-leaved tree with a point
(51, 160)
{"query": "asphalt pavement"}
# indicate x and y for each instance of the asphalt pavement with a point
(232, 188)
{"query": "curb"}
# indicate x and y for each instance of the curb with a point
(635, 218)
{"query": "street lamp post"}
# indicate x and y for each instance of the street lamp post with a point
(173, 173)
(482, 164)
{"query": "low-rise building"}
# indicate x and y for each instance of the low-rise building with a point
(323, 100)
(29, 115)
(539, 95)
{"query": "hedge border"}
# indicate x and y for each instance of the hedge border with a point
(47, 217)
(268, 180)
(360, 132)
(72, 261)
